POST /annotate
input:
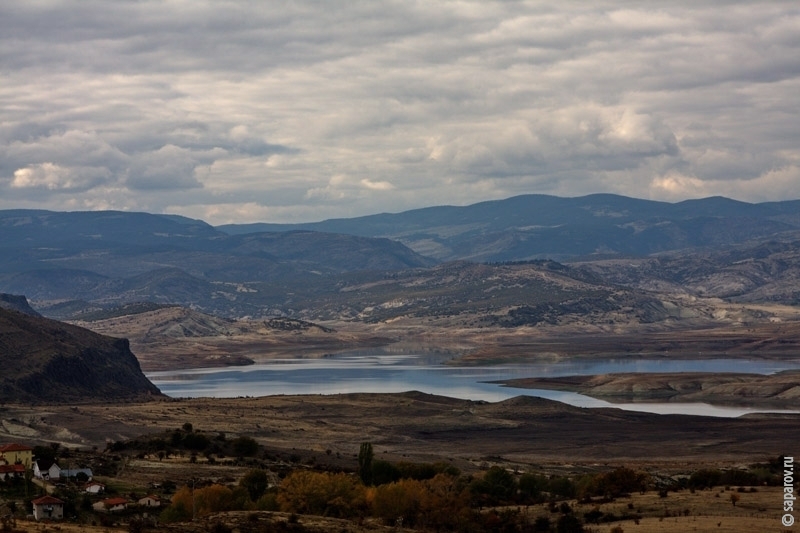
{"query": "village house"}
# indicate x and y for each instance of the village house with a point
(111, 505)
(94, 487)
(48, 508)
(11, 471)
(47, 470)
(150, 501)
(19, 454)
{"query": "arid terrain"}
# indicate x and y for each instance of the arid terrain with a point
(522, 435)
(521, 431)
(175, 337)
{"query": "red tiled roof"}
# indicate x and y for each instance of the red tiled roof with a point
(47, 500)
(14, 447)
(111, 502)
(12, 469)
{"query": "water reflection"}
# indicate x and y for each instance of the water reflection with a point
(397, 372)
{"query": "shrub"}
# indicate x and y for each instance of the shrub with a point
(245, 446)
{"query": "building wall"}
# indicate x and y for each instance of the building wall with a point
(54, 512)
(24, 457)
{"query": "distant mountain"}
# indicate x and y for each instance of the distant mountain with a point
(75, 264)
(109, 258)
(45, 361)
(540, 226)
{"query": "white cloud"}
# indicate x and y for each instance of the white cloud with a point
(52, 177)
(311, 110)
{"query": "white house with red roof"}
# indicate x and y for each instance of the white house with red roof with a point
(48, 508)
(111, 505)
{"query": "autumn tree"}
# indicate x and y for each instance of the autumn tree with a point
(438, 503)
(336, 495)
(399, 500)
(187, 503)
(180, 508)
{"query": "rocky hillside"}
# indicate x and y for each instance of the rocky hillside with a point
(45, 361)
(16, 302)
(759, 271)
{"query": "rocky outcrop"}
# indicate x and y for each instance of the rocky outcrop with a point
(45, 361)
(16, 302)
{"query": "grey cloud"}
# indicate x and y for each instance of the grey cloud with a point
(170, 167)
(306, 107)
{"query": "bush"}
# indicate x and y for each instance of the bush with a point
(245, 446)
(562, 487)
(569, 523)
(196, 441)
(705, 478)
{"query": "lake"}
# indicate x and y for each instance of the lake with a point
(377, 371)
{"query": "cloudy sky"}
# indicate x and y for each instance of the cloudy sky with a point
(299, 111)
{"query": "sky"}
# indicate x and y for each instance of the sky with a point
(306, 110)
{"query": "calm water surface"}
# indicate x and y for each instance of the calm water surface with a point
(387, 372)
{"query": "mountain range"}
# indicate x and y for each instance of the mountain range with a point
(550, 227)
(498, 257)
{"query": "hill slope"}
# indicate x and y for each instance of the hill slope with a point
(540, 226)
(45, 361)
(761, 271)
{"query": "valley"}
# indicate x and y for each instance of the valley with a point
(498, 285)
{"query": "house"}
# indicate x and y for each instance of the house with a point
(150, 501)
(94, 487)
(111, 505)
(47, 470)
(48, 508)
(17, 454)
(11, 471)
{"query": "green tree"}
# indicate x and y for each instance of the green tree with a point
(365, 456)
(384, 472)
(196, 441)
(45, 453)
(497, 485)
(256, 484)
(532, 485)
